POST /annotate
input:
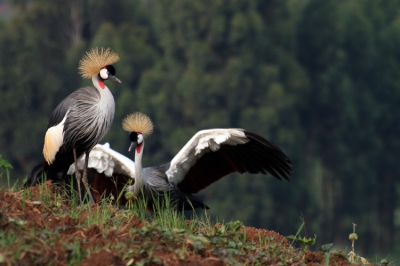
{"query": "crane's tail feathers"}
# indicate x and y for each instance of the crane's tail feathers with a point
(193, 202)
(185, 201)
(35, 175)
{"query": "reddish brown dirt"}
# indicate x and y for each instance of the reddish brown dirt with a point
(44, 238)
(254, 235)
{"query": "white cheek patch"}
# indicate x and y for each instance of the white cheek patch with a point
(140, 138)
(104, 73)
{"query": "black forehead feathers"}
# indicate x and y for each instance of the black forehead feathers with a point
(133, 136)
(111, 69)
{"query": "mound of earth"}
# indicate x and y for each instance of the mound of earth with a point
(39, 228)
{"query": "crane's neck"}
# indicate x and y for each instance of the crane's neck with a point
(138, 169)
(99, 83)
(104, 108)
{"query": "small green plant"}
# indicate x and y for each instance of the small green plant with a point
(325, 249)
(6, 166)
(304, 241)
(386, 262)
(353, 257)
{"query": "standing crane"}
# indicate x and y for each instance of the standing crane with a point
(207, 157)
(80, 121)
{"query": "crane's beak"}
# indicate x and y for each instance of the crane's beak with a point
(114, 78)
(133, 146)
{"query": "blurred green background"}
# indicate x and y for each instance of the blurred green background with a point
(318, 78)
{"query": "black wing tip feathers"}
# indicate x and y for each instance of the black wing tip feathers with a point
(281, 166)
(255, 156)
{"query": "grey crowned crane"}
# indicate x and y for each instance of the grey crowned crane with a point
(207, 157)
(80, 121)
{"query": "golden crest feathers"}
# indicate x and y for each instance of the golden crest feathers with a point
(95, 59)
(138, 122)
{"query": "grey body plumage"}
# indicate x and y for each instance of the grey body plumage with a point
(98, 108)
(89, 110)
(80, 121)
(156, 186)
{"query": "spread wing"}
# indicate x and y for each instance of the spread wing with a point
(105, 160)
(212, 154)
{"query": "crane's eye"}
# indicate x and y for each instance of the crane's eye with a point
(111, 69)
(139, 138)
(104, 73)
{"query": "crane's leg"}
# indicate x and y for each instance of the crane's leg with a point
(85, 178)
(77, 177)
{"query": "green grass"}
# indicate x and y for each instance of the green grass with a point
(6, 167)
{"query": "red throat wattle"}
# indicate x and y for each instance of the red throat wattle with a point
(101, 84)
(139, 148)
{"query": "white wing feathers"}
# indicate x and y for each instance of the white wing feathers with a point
(103, 159)
(202, 142)
(53, 140)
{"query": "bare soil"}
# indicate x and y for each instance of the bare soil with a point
(44, 237)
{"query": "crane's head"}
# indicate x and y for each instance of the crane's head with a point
(136, 141)
(108, 72)
(140, 126)
(98, 62)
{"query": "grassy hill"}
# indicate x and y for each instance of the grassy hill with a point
(39, 227)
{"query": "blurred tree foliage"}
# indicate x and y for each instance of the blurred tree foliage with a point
(318, 78)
